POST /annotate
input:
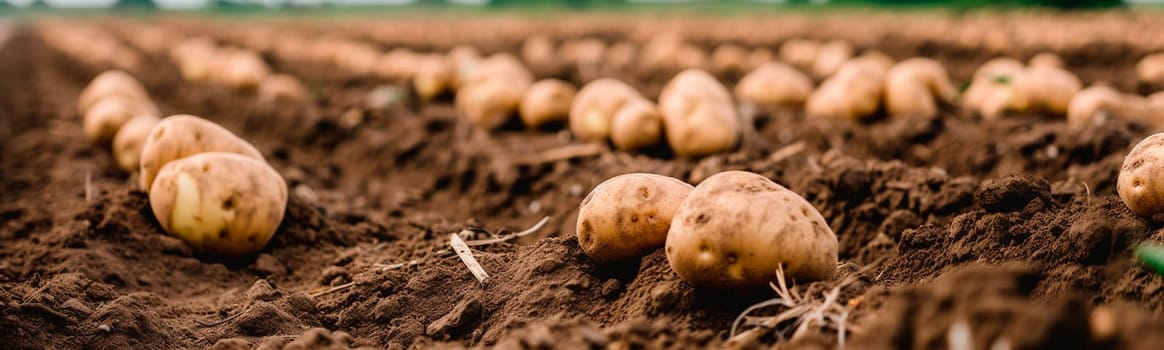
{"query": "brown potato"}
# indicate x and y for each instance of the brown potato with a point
(502, 66)
(758, 57)
(183, 135)
(1099, 102)
(107, 115)
(698, 115)
(729, 58)
(1045, 89)
(1141, 182)
(1150, 69)
(913, 86)
(488, 104)
(546, 101)
(593, 109)
(628, 215)
(128, 142)
(398, 64)
(800, 52)
(855, 92)
(465, 60)
(223, 204)
(240, 69)
(736, 228)
(434, 76)
(277, 88)
(984, 88)
(1047, 59)
(830, 57)
(636, 125)
(774, 84)
(110, 83)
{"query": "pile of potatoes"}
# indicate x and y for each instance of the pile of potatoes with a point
(206, 186)
(732, 231)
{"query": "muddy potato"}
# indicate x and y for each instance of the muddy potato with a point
(1141, 179)
(102, 120)
(434, 76)
(1150, 69)
(913, 87)
(109, 83)
(699, 117)
(636, 125)
(774, 84)
(223, 204)
(128, 142)
(490, 103)
(736, 228)
(183, 135)
(546, 101)
(282, 88)
(628, 215)
(593, 109)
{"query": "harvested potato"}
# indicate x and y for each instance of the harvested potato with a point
(1045, 89)
(1100, 102)
(636, 125)
(128, 142)
(620, 56)
(490, 103)
(546, 101)
(736, 228)
(107, 115)
(538, 52)
(277, 88)
(183, 135)
(594, 106)
(758, 57)
(503, 67)
(854, 92)
(830, 57)
(434, 76)
(398, 64)
(628, 215)
(223, 204)
(913, 87)
(465, 59)
(729, 58)
(774, 84)
(1150, 69)
(800, 52)
(111, 83)
(241, 69)
(1047, 59)
(698, 115)
(984, 88)
(1140, 183)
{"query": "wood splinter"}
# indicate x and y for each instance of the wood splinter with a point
(462, 250)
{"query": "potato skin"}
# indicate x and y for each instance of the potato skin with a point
(636, 125)
(698, 115)
(128, 142)
(109, 83)
(490, 103)
(736, 227)
(223, 204)
(277, 88)
(913, 86)
(593, 109)
(1141, 179)
(434, 76)
(183, 135)
(774, 84)
(628, 215)
(106, 116)
(546, 101)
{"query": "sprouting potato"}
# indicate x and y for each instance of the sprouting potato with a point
(546, 101)
(222, 204)
(636, 125)
(774, 84)
(1046, 59)
(1101, 101)
(1141, 183)
(830, 57)
(282, 88)
(183, 135)
(800, 52)
(109, 83)
(488, 104)
(913, 86)
(434, 76)
(593, 109)
(1150, 69)
(854, 92)
(729, 58)
(128, 142)
(986, 82)
(736, 228)
(107, 115)
(698, 115)
(628, 215)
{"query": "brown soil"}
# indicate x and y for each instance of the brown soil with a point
(1008, 231)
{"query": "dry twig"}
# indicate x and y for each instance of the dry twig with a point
(462, 250)
(804, 313)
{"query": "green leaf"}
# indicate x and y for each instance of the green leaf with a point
(1152, 255)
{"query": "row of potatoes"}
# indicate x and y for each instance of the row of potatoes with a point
(206, 186)
(201, 60)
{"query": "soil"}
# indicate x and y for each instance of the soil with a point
(954, 232)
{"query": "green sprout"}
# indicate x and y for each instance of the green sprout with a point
(1152, 255)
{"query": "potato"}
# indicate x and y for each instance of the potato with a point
(729, 58)
(620, 56)
(913, 86)
(628, 215)
(636, 125)
(1101, 102)
(434, 76)
(277, 88)
(398, 64)
(736, 228)
(128, 142)
(800, 52)
(698, 115)
(241, 69)
(758, 57)
(223, 204)
(1150, 69)
(546, 101)
(183, 135)
(774, 84)
(1046, 59)
(465, 60)
(1141, 183)
(830, 57)
(1045, 89)
(488, 104)
(502, 66)
(107, 115)
(109, 83)
(854, 92)
(593, 109)
(986, 82)
(538, 52)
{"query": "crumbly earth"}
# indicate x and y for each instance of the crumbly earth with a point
(954, 232)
